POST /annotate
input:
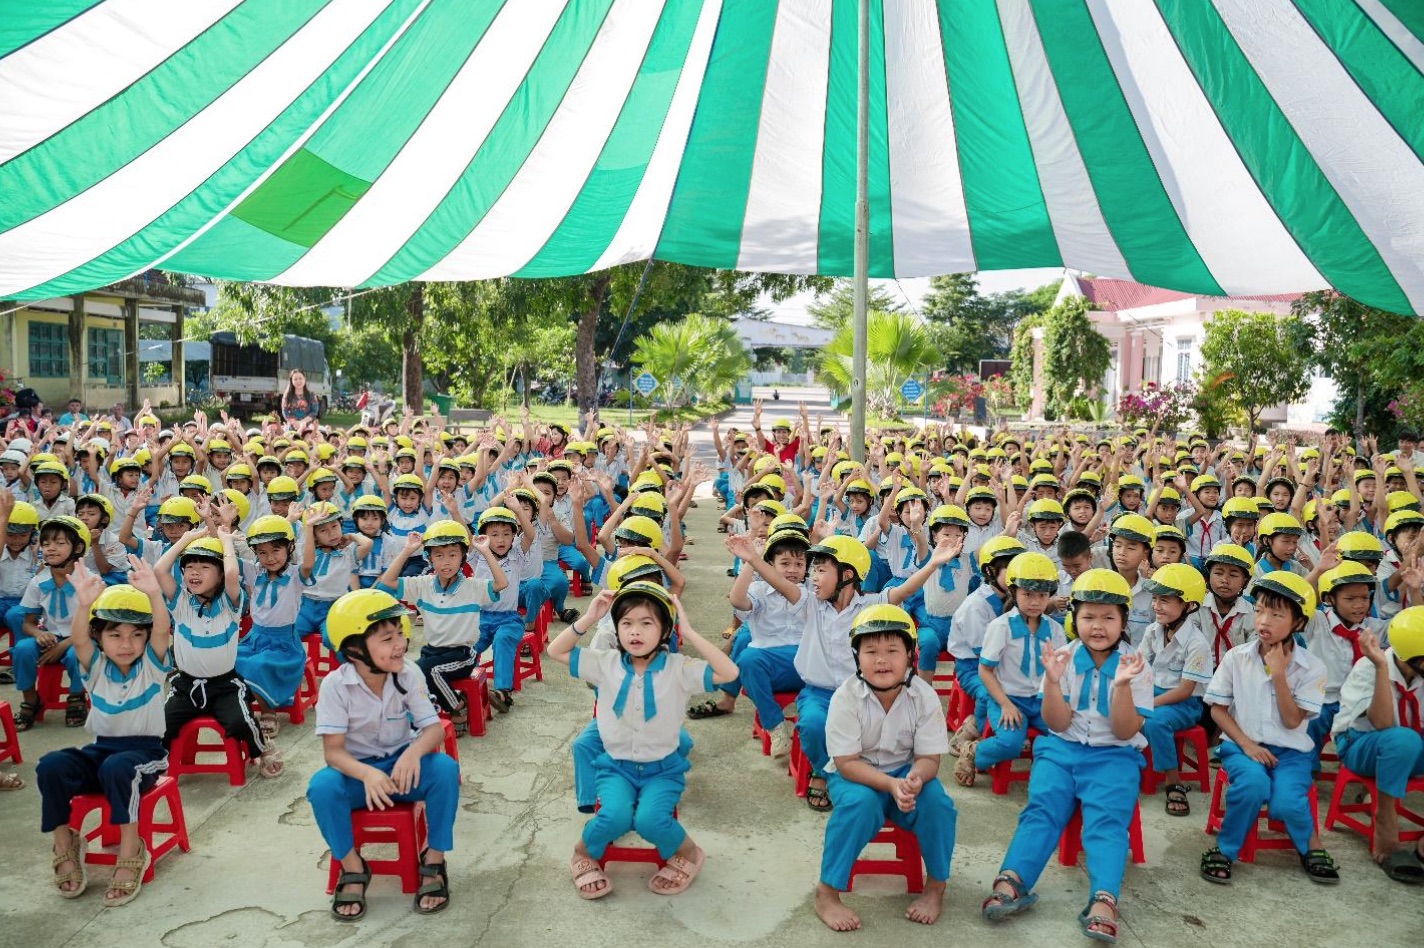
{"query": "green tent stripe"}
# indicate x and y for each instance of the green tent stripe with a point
(1134, 203)
(1408, 12)
(598, 211)
(106, 139)
(1302, 197)
(1382, 72)
(882, 225)
(836, 239)
(504, 152)
(1008, 218)
(716, 168)
(24, 21)
(227, 183)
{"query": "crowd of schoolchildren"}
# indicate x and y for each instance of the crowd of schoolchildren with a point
(1093, 596)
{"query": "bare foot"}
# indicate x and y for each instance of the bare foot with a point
(927, 907)
(837, 916)
(1386, 833)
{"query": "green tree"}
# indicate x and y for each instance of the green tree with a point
(367, 358)
(695, 357)
(1256, 360)
(968, 327)
(834, 308)
(1021, 359)
(1076, 356)
(897, 347)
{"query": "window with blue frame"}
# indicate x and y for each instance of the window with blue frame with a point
(106, 356)
(49, 350)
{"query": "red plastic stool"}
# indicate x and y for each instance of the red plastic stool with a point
(7, 636)
(319, 659)
(9, 737)
(1003, 773)
(183, 755)
(305, 699)
(632, 853)
(150, 828)
(1254, 841)
(1193, 768)
(961, 706)
(476, 692)
(575, 582)
(54, 696)
(403, 825)
(944, 683)
(907, 861)
(1344, 813)
(783, 699)
(1070, 844)
(525, 666)
(799, 766)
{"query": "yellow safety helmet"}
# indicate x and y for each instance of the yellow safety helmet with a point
(1000, 547)
(1359, 547)
(325, 452)
(1400, 519)
(1180, 580)
(948, 515)
(219, 446)
(1045, 508)
(296, 456)
(1045, 480)
(320, 475)
(203, 549)
(1402, 500)
(977, 494)
(1202, 481)
(1130, 482)
(907, 494)
(640, 531)
(1101, 585)
(860, 486)
(368, 503)
(1241, 508)
(1345, 574)
(1134, 527)
(270, 529)
(23, 518)
(529, 496)
(1169, 495)
(51, 467)
(1287, 584)
(773, 508)
(76, 527)
(408, 482)
(659, 596)
(1406, 633)
(196, 482)
(1229, 554)
(100, 501)
(1282, 524)
(774, 483)
(628, 569)
(239, 500)
(357, 443)
(354, 613)
(321, 512)
(492, 515)
(788, 521)
(143, 456)
(650, 504)
(119, 465)
(237, 471)
(282, 487)
(883, 618)
(784, 538)
(844, 551)
(268, 460)
(1032, 571)
(446, 533)
(122, 603)
(178, 510)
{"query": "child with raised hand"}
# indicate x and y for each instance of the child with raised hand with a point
(270, 658)
(329, 561)
(1097, 692)
(121, 643)
(368, 513)
(49, 598)
(1379, 733)
(1333, 636)
(1011, 665)
(946, 591)
(966, 633)
(381, 738)
(19, 558)
(1262, 697)
(1181, 663)
(501, 627)
(642, 692)
(885, 733)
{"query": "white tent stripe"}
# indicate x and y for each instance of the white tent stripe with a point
(112, 210)
(1389, 25)
(69, 72)
(928, 217)
(1227, 218)
(1342, 129)
(781, 226)
(548, 182)
(637, 236)
(1083, 237)
(430, 163)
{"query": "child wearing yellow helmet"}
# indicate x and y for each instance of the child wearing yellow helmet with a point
(1401, 533)
(943, 594)
(409, 512)
(1262, 697)
(966, 634)
(1278, 538)
(49, 495)
(106, 556)
(48, 598)
(1130, 541)
(1379, 733)
(375, 686)
(1096, 694)
(1180, 659)
(328, 558)
(1347, 595)
(121, 640)
(886, 735)
(271, 658)
(368, 516)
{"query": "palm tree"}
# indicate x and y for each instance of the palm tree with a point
(703, 353)
(898, 347)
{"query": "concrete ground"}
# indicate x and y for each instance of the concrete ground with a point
(256, 875)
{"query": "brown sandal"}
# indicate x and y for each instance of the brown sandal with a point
(11, 781)
(130, 889)
(74, 854)
(964, 772)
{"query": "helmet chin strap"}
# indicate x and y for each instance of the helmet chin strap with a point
(899, 684)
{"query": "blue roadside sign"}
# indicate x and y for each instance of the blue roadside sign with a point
(645, 384)
(912, 390)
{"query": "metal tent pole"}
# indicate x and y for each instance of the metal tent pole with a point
(862, 238)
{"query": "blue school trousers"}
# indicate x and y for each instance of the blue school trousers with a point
(570, 556)
(934, 633)
(1007, 742)
(879, 576)
(1390, 756)
(740, 642)
(532, 596)
(121, 768)
(639, 797)
(1067, 775)
(556, 585)
(26, 659)
(764, 672)
(1161, 729)
(966, 672)
(14, 615)
(858, 812)
(1318, 728)
(588, 747)
(311, 619)
(1285, 787)
(335, 796)
(811, 707)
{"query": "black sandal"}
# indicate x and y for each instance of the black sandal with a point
(434, 881)
(821, 794)
(705, 710)
(1000, 905)
(501, 701)
(339, 898)
(1215, 867)
(76, 710)
(1177, 797)
(25, 716)
(1320, 867)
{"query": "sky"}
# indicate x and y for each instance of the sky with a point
(793, 310)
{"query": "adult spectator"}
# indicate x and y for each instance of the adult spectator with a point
(299, 403)
(118, 419)
(74, 413)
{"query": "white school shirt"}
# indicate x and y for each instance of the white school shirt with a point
(1333, 650)
(898, 548)
(943, 602)
(205, 636)
(1005, 653)
(452, 613)
(1225, 631)
(17, 571)
(400, 523)
(1204, 534)
(545, 547)
(1242, 685)
(516, 565)
(331, 573)
(634, 735)
(122, 501)
(1088, 691)
(374, 725)
(774, 620)
(1029, 538)
(823, 657)
(275, 600)
(115, 553)
(978, 536)
(1389, 602)
(1187, 656)
(971, 621)
(53, 602)
(1140, 613)
(858, 724)
(63, 506)
(1359, 691)
(126, 705)
(381, 556)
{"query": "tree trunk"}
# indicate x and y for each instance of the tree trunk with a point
(410, 358)
(1359, 410)
(524, 386)
(585, 357)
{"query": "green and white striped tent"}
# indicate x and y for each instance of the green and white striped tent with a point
(1222, 147)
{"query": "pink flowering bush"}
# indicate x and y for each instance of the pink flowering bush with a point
(955, 393)
(1168, 405)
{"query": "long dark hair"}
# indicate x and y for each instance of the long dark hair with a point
(289, 395)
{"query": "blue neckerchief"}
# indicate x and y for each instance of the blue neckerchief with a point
(996, 602)
(269, 588)
(946, 575)
(59, 596)
(322, 565)
(907, 543)
(1084, 665)
(650, 704)
(1018, 628)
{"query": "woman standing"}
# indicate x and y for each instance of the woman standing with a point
(299, 403)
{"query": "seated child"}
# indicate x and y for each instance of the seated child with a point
(19, 558)
(1263, 696)
(1333, 636)
(122, 652)
(642, 692)
(382, 741)
(270, 658)
(885, 732)
(1096, 694)
(966, 634)
(49, 598)
(946, 592)
(1227, 618)
(1181, 664)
